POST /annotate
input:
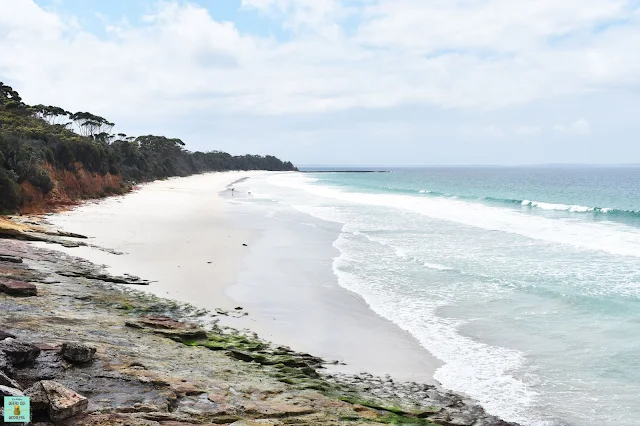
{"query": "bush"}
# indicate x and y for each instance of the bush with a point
(41, 179)
(10, 194)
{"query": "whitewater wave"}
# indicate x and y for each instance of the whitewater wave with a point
(542, 205)
(615, 239)
(573, 208)
(437, 266)
(401, 253)
(481, 370)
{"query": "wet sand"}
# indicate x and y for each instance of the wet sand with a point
(188, 238)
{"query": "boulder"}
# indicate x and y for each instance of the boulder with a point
(77, 353)
(37, 398)
(59, 402)
(5, 364)
(5, 335)
(18, 353)
(18, 288)
(9, 391)
(8, 381)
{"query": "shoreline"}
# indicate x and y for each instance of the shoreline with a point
(288, 284)
(364, 382)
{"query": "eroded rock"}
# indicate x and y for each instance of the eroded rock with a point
(8, 381)
(9, 258)
(19, 353)
(109, 420)
(77, 353)
(168, 327)
(5, 364)
(131, 280)
(262, 422)
(61, 402)
(9, 391)
(5, 335)
(18, 288)
(38, 398)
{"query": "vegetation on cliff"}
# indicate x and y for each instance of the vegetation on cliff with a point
(51, 155)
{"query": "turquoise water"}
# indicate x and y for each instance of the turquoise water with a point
(525, 282)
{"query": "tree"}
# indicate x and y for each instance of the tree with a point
(89, 124)
(10, 99)
(51, 114)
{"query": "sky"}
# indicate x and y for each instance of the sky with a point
(344, 82)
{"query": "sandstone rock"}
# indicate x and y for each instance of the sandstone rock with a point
(262, 422)
(61, 402)
(138, 408)
(164, 322)
(9, 258)
(169, 327)
(76, 352)
(44, 347)
(70, 244)
(38, 398)
(18, 288)
(5, 364)
(109, 420)
(276, 409)
(72, 235)
(8, 381)
(19, 353)
(5, 335)
(241, 355)
(9, 391)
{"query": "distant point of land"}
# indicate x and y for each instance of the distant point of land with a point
(345, 171)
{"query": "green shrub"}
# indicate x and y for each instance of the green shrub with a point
(41, 179)
(10, 194)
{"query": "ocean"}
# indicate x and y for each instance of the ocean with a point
(524, 282)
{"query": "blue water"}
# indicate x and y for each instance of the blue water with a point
(525, 282)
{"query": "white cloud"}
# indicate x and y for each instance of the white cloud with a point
(497, 55)
(578, 127)
(477, 56)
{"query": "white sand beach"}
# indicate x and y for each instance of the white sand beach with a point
(174, 232)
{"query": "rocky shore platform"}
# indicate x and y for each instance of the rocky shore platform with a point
(90, 351)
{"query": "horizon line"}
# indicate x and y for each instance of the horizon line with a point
(476, 165)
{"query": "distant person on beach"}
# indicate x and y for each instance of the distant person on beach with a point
(232, 192)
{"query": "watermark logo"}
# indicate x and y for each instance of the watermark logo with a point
(17, 409)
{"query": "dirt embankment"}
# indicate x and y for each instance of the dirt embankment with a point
(70, 187)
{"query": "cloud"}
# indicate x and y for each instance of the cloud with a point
(481, 54)
(578, 127)
(476, 60)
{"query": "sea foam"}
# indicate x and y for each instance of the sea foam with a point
(616, 239)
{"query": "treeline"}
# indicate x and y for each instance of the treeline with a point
(37, 139)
